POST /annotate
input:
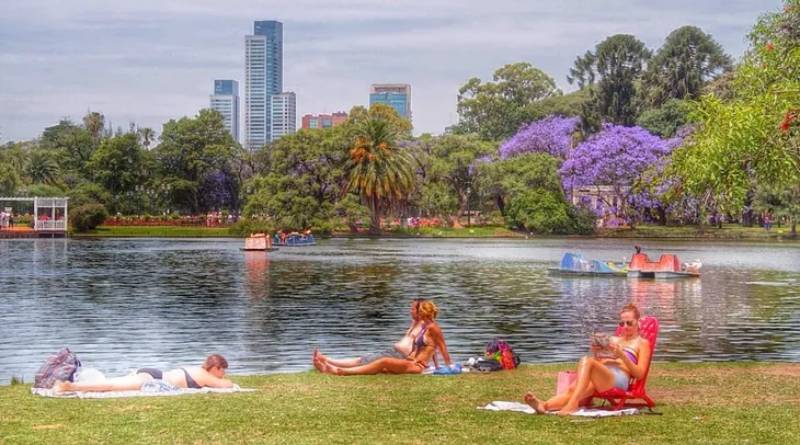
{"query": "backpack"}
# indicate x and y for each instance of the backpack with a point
(60, 366)
(501, 352)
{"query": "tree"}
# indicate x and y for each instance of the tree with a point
(94, 123)
(501, 179)
(146, 136)
(41, 167)
(616, 66)
(495, 110)
(781, 202)
(554, 135)
(665, 120)
(749, 139)
(379, 172)
(688, 59)
(451, 173)
(305, 180)
(190, 149)
(122, 167)
(72, 143)
(538, 210)
(617, 156)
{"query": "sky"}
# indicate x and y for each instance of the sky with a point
(148, 61)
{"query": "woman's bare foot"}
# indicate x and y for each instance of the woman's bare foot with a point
(535, 403)
(318, 364)
(327, 368)
(567, 410)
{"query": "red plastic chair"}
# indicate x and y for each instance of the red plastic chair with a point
(648, 328)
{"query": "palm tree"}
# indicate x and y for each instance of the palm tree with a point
(378, 171)
(146, 136)
(41, 168)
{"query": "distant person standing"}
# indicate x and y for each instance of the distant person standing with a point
(767, 221)
(11, 220)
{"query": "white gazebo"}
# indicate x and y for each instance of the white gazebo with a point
(50, 215)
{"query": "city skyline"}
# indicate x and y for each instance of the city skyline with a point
(149, 70)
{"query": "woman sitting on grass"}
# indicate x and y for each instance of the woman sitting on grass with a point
(425, 344)
(630, 355)
(400, 350)
(211, 375)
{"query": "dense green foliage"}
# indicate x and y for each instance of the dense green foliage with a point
(87, 216)
(738, 154)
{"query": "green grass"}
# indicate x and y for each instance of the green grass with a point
(732, 232)
(700, 403)
(727, 232)
(157, 231)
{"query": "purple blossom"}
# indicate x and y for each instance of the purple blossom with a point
(551, 135)
(618, 156)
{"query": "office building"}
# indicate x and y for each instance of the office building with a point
(396, 95)
(263, 79)
(283, 107)
(225, 100)
(324, 120)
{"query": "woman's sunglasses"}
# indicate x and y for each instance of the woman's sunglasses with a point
(630, 323)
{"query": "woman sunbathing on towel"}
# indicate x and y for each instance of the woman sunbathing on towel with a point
(612, 366)
(211, 374)
(428, 340)
(400, 350)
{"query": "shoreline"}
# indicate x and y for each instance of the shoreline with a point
(663, 233)
(695, 399)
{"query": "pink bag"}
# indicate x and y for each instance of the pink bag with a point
(566, 378)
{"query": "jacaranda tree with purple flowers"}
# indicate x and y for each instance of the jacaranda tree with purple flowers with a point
(554, 135)
(618, 157)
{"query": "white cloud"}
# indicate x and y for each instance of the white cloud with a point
(151, 60)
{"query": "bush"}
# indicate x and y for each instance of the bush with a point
(88, 216)
(539, 211)
(247, 226)
(583, 220)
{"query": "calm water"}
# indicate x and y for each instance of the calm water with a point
(121, 304)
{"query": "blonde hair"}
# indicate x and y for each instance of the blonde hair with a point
(630, 307)
(427, 309)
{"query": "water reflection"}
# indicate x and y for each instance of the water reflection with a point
(127, 303)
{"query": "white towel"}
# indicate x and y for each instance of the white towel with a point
(46, 392)
(583, 412)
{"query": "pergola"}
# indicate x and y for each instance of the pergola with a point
(49, 214)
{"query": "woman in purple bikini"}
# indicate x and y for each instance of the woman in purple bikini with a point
(428, 340)
(630, 355)
(211, 374)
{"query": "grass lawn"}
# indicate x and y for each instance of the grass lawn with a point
(700, 403)
(156, 231)
(727, 232)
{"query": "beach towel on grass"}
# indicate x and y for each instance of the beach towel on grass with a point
(153, 388)
(583, 412)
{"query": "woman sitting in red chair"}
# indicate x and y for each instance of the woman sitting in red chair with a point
(626, 357)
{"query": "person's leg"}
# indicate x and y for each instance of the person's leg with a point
(591, 375)
(129, 382)
(339, 363)
(382, 366)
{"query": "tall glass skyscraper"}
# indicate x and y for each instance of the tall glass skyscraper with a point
(396, 95)
(263, 77)
(226, 100)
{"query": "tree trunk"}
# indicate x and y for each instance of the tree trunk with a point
(662, 216)
(375, 221)
(793, 234)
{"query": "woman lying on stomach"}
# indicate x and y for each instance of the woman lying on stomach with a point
(426, 343)
(211, 375)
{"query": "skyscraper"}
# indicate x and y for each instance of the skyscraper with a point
(226, 100)
(263, 77)
(284, 115)
(396, 95)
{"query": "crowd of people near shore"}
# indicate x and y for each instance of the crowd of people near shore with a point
(614, 362)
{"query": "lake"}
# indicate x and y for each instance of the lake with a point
(121, 304)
